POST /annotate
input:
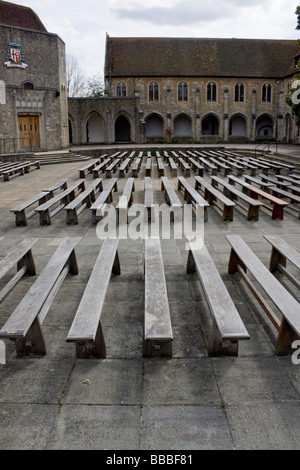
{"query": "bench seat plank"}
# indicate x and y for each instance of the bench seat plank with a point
(278, 204)
(83, 200)
(281, 253)
(242, 258)
(213, 195)
(228, 327)
(23, 324)
(158, 335)
(20, 211)
(192, 196)
(86, 330)
(106, 196)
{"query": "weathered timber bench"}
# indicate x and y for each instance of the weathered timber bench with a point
(125, 201)
(261, 166)
(160, 166)
(15, 170)
(221, 165)
(237, 196)
(124, 167)
(82, 201)
(215, 197)
(278, 167)
(289, 179)
(60, 185)
(63, 199)
(158, 335)
(294, 199)
(101, 168)
(86, 329)
(227, 328)
(170, 194)
(192, 196)
(233, 180)
(282, 252)
(234, 166)
(105, 197)
(184, 166)
(173, 167)
(208, 167)
(276, 182)
(148, 166)
(242, 259)
(88, 168)
(277, 205)
(22, 216)
(148, 197)
(24, 324)
(196, 167)
(112, 167)
(136, 166)
(25, 168)
(262, 184)
(21, 255)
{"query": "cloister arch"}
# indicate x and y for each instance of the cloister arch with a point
(122, 129)
(238, 126)
(154, 126)
(94, 128)
(182, 126)
(210, 125)
(265, 126)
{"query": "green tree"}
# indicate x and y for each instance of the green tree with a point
(292, 97)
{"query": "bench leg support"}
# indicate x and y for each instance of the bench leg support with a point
(157, 348)
(220, 347)
(95, 348)
(286, 336)
(33, 342)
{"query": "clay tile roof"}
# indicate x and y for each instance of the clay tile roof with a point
(199, 57)
(20, 17)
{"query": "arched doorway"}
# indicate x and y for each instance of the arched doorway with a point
(264, 126)
(154, 126)
(182, 126)
(94, 129)
(122, 129)
(210, 125)
(237, 126)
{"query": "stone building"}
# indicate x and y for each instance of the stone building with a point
(33, 98)
(190, 90)
(156, 89)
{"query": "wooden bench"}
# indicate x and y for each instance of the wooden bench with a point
(184, 166)
(148, 166)
(100, 168)
(216, 198)
(208, 167)
(112, 167)
(192, 196)
(170, 194)
(242, 259)
(173, 167)
(227, 328)
(261, 166)
(233, 180)
(262, 184)
(221, 166)
(14, 170)
(124, 167)
(237, 196)
(136, 166)
(289, 179)
(125, 201)
(158, 335)
(22, 216)
(277, 205)
(274, 181)
(82, 201)
(196, 167)
(88, 168)
(20, 255)
(106, 196)
(60, 185)
(86, 329)
(281, 253)
(294, 199)
(239, 169)
(63, 199)
(148, 197)
(24, 324)
(160, 166)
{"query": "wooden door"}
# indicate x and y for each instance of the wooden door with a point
(29, 132)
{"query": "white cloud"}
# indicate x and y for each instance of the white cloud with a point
(83, 25)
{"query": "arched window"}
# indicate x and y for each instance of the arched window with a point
(239, 92)
(121, 90)
(153, 91)
(266, 93)
(28, 85)
(183, 91)
(212, 92)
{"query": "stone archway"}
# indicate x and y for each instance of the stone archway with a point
(210, 125)
(182, 126)
(154, 126)
(94, 129)
(122, 129)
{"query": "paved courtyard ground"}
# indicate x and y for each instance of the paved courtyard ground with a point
(126, 402)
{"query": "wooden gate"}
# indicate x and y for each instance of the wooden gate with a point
(29, 131)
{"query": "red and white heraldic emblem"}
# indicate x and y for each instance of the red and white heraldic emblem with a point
(15, 54)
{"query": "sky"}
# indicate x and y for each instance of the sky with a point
(83, 25)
